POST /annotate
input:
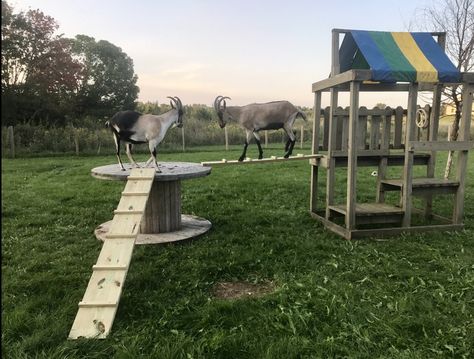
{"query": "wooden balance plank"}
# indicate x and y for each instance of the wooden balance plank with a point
(247, 161)
(99, 305)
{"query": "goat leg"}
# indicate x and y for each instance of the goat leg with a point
(290, 149)
(242, 157)
(153, 156)
(257, 140)
(129, 155)
(291, 140)
(117, 151)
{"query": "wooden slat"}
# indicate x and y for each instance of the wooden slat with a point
(397, 140)
(440, 145)
(384, 145)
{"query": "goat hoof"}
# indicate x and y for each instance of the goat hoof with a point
(241, 159)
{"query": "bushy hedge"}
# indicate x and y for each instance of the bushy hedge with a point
(94, 138)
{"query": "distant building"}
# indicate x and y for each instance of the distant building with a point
(450, 109)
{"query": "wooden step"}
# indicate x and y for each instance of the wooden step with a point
(422, 186)
(371, 212)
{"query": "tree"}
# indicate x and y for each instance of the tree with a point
(109, 81)
(39, 73)
(456, 18)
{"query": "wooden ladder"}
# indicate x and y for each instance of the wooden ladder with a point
(98, 307)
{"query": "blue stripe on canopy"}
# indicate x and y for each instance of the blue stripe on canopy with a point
(381, 70)
(447, 72)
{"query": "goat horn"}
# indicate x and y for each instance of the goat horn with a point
(223, 99)
(179, 102)
(174, 100)
(216, 101)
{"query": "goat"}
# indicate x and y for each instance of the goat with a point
(260, 116)
(133, 127)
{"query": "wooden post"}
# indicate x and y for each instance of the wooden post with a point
(335, 68)
(433, 136)
(11, 139)
(182, 136)
(331, 161)
(315, 150)
(76, 141)
(266, 138)
(384, 145)
(408, 166)
(226, 134)
(352, 156)
(464, 128)
(302, 136)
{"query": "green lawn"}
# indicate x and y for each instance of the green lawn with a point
(411, 297)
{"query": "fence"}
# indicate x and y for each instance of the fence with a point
(25, 139)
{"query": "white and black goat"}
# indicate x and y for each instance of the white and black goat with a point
(260, 116)
(133, 127)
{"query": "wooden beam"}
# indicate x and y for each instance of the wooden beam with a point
(433, 136)
(331, 163)
(272, 159)
(314, 150)
(347, 76)
(464, 129)
(352, 157)
(440, 145)
(408, 167)
(335, 66)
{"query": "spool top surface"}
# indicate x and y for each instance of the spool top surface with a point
(170, 171)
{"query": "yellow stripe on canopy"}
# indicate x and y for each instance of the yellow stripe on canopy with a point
(425, 71)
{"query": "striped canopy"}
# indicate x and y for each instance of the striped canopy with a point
(397, 57)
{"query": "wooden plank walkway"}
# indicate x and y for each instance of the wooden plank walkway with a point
(99, 305)
(247, 161)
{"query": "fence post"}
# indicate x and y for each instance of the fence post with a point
(11, 139)
(182, 135)
(76, 141)
(266, 138)
(302, 136)
(226, 139)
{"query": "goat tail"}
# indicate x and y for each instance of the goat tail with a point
(107, 124)
(301, 114)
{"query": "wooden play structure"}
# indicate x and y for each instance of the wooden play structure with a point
(356, 137)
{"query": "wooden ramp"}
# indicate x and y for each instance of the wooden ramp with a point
(98, 306)
(247, 161)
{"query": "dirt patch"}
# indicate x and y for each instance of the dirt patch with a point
(237, 290)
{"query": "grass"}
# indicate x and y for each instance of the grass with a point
(412, 297)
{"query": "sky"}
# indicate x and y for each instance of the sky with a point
(249, 50)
